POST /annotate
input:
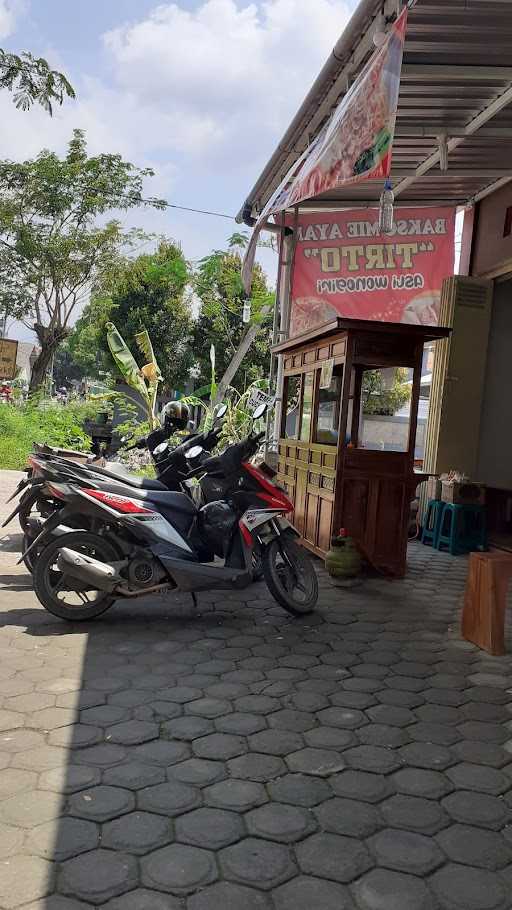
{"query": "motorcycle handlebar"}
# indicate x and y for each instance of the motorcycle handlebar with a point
(245, 448)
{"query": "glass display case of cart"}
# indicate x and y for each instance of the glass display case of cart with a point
(348, 433)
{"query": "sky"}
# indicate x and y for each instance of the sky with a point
(199, 90)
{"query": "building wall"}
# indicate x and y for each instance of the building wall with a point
(490, 248)
(495, 449)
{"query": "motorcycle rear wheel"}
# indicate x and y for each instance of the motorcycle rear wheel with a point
(49, 581)
(290, 576)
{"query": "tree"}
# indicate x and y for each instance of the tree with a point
(382, 400)
(58, 251)
(148, 292)
(32, 81)
(218, 285)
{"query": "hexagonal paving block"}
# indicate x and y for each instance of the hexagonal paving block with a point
(161, 752)
(405, 851)
(11, 840)
(70, 779)
(10, 720)
(98, 875)
(14, 781)
(132, 732)
(330, 738)
(178, 868)
(102, 756)
(237, 795)
(412, 813)
(28, 704)
(475, 847)
(371, 788)
(171, 798)
(293, 720)
(208, 707)
(209, 828)
(440, 734)
(137, 832)
(371, 758)
(261, 863)
(61, 838)
(143, 899)
(303, 893)
(419, 782)
(299, 790)
(275, 742)
(255, 766)
(240, 723)
(342, 717)
(479, 753)
(187, 728)
(382, 889)
(52, 718)
(101, 803)
(134, 775)
(103, 715)
(30, 808)
(331, 856)
(228, 896)
(40, 759)
(320, 762)
(477, 777)
(391, 715)
(427, 755)
(76, 736)
(197, 771)
(383, 735)
(348, 817)
(24, 879)
(219, 746)
(472, 889)
(280, 822)
(477, 809)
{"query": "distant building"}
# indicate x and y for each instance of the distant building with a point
(25, 359)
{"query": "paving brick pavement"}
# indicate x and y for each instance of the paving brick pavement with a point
(233, 758)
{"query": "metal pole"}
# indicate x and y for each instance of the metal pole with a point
(269, 440)
(289, 245)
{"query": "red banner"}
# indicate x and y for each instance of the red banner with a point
(343, 267)
(354, 146)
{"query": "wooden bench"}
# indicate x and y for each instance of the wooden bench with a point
(485, 598)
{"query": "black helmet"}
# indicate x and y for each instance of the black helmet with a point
(175, 415)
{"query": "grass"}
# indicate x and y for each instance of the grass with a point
(44, 422)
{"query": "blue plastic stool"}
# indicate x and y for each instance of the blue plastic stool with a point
(462, 528)
(432, 523)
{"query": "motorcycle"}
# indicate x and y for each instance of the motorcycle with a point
(170, 467)
(155, 541)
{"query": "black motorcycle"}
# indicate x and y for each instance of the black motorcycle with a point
(159, 541)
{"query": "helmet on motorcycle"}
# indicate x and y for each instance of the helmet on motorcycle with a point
(216, 521)
(175, 415)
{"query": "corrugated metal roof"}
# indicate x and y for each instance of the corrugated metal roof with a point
(457, 66)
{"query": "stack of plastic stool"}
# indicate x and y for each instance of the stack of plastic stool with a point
(462, 528)
(432, 523)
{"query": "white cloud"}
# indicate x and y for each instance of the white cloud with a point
(226, 75)
(10, 11)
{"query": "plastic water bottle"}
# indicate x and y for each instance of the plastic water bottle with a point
(387, 200)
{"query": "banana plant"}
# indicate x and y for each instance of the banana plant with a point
(144, 380)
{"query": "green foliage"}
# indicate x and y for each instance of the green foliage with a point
(45, 422)
(218, 285)
(384, 401)
(56, 249)
(144, 380)
(32, 81)
(237, 422)
(65, 367)
(148, 292)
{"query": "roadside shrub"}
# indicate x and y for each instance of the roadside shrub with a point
(42, 421)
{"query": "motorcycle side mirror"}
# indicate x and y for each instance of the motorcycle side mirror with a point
(194, 452)
(259, 411)
(160, 449)
(221, 410)
(190, 426)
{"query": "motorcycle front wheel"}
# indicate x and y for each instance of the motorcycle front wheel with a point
(290, 576)
(64, 596)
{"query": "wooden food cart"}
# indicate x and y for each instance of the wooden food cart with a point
(336, 476)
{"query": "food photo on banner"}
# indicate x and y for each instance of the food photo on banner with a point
(343, 267)
(354, 146)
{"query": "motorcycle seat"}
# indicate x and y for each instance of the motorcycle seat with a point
(118, 472)
(170, 501)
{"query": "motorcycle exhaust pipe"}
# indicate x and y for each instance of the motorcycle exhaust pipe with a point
(100, 575)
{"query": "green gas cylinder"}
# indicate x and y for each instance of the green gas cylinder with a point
(343, 559)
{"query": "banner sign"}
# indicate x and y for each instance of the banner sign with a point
(8, 354)
(356, 143)
(343, 267)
